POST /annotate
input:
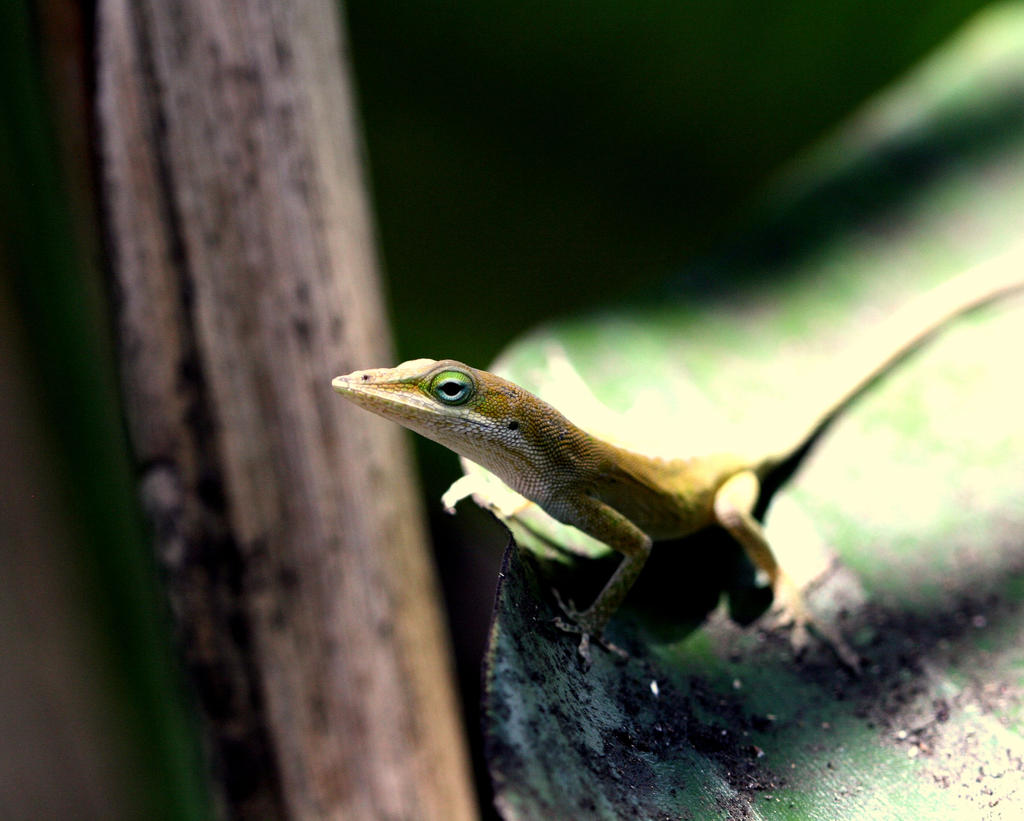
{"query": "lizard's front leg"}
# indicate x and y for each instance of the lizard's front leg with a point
(734, 504)
(603, 522)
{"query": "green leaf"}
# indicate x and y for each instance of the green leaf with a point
(908, 517)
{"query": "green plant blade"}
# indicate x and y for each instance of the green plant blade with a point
(909, 515)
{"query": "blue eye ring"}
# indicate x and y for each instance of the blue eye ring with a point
(452, 387)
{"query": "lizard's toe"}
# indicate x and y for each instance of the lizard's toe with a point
(791, 611)
(579, 623)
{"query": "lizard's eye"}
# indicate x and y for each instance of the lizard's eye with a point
(452, 387)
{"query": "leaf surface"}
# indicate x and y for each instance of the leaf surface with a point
(907, 518)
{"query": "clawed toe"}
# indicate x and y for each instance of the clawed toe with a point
(791, 612)
(568, 608)
(579, 624)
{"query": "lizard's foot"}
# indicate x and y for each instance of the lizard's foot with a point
(790, 610)
(583, 625)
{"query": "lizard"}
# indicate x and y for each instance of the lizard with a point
(629, 500)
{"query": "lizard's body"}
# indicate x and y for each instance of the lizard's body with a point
(622, 498)
(665, 498)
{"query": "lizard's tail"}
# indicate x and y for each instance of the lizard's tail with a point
(903, 334)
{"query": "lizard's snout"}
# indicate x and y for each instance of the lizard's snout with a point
(347, 382)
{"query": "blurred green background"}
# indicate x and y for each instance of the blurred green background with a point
(532, 159)
(527, 160)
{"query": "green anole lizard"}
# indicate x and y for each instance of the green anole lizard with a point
(628, 500)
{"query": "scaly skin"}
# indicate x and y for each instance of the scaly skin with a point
(626, 499)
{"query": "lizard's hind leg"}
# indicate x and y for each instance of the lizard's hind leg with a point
(734, 504)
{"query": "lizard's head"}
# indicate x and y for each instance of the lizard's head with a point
(478, 415)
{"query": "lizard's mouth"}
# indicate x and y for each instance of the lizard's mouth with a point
(387, 398)
(393, 399)
(346, 385)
